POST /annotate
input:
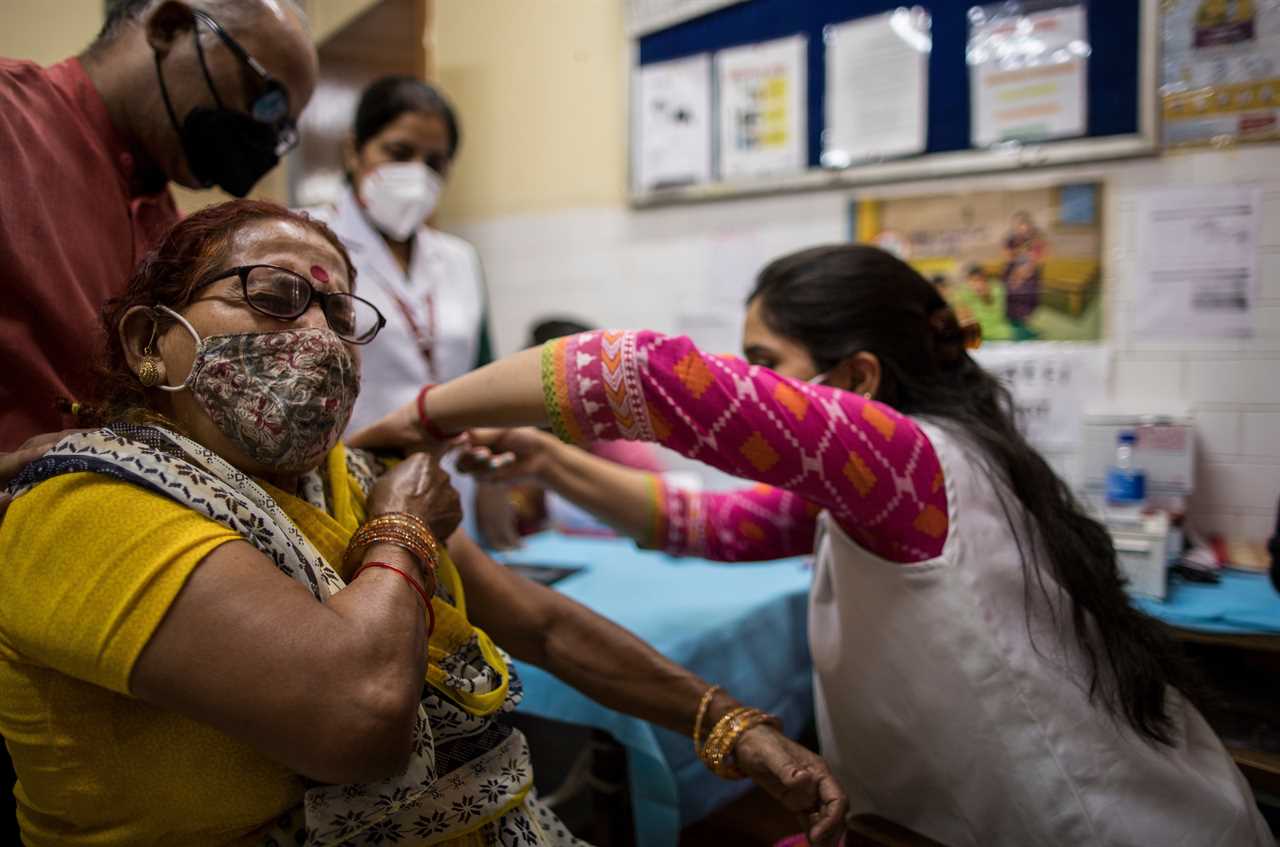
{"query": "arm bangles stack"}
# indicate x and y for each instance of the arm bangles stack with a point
(403, 530)
(716, 753)
(703, 706)
(406, 531)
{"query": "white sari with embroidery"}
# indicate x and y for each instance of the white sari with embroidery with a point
(469, 779)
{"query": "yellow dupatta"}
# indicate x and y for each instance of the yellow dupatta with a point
(469, 777)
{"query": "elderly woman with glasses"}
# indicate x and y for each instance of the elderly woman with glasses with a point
(222, 627)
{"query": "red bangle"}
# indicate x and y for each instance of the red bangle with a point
(417, 586)
(426, 423)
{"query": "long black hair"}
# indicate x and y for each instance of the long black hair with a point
(391, 96)
(840, 300)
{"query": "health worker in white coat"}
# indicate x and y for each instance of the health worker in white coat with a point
(427, 283)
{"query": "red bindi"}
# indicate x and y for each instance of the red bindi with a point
(319, 274)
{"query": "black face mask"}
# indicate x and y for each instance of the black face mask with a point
(224, 147)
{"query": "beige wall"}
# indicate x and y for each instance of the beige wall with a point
(45, 31)
(541, 93)
(48, 30)
(329, 16)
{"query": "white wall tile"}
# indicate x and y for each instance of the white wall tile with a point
(1218, 432)
(1261, 435)
(1205, 521)
(1248, 526)
(1146, 383)
(1233, 381)
(1236, 486)
(1253, 527)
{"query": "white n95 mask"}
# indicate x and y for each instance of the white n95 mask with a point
(398, 197)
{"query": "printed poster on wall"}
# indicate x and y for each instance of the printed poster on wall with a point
(1025, 264)
(1052, 387)
(1221, 71)
(1027, 72)
(877, 87)
(762, 90)
(1197, 271)
(671, 144)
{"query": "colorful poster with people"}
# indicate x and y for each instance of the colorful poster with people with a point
(1221, 71)
(1025, 264)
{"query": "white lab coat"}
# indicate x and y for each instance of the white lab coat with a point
(938, 710)
(435, 313)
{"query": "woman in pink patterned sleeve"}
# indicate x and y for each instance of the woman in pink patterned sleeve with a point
(980, 675)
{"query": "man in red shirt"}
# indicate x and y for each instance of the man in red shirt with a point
(201, 94)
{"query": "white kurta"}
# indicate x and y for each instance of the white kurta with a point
(434, 313)
(936, 710)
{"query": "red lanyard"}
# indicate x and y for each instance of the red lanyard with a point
(425, 340)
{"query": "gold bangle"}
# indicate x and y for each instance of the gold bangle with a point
(410, 544)
(403, 530)
(711, 751)
(412, 541)
(416, 525)
(411, 522)
(726, 734)
(719, 758)
(703, 705)
(407, 523)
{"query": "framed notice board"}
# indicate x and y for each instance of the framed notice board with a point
(1120, 109)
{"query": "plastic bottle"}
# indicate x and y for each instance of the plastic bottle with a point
(1126, 485)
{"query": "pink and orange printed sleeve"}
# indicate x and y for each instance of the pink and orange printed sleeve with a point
(746, 525)
(872, 468)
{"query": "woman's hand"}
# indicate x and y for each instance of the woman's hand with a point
(400, 430)
(496, 516)
(508, 455)
(33, 448)
(419, 486)
(796, 777)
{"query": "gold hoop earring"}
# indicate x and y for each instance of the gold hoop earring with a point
(150, 373)
(151, 368)
(866, 395)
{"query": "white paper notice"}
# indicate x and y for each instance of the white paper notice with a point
(763, 90)
(1027, 74)
(672, 123)
(712, 313)
(1197, 269)
(877, 87)
(1052, 386)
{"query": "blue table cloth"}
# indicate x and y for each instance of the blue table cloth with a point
(742, 626)
(1243, 603)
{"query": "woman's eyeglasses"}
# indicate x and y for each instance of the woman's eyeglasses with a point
(282, 294)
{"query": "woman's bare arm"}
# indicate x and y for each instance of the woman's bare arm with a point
(249, 651)
(615, 668)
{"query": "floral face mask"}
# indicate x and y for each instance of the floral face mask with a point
(283, 397)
